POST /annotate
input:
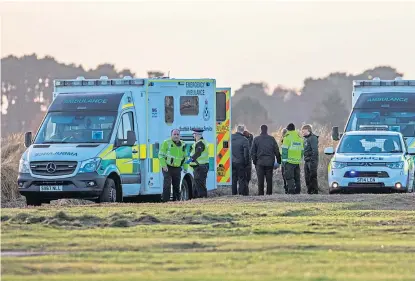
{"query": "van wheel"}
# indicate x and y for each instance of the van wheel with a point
(185, 191)
(33, 201)
(109, 193)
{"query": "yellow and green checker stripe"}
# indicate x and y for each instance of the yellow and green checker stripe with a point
(123, 158)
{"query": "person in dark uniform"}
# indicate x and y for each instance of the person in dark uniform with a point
(172, 158)
(266, 157)
(240, 159)
(199, 161)
(248, 168)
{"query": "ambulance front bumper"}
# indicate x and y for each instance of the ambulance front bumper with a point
(368, 180)
(81, 186)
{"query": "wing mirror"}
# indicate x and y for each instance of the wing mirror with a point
(335, 135)
(329, 151)
(28, 139)
(131, 139)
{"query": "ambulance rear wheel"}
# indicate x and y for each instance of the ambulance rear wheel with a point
(185, 191)
(109, 193)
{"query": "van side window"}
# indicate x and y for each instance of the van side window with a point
(220, 106)
(189, 105)
(169, 109)
(126, 124)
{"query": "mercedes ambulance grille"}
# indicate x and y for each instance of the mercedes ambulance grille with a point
(53, 168)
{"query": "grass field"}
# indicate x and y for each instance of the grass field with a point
(281, 237)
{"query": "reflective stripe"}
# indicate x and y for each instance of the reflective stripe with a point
(204, 157)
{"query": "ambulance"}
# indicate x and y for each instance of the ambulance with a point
(379, 102)
(100, 138)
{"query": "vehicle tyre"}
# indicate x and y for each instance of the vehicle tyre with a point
(109, 193)
(185, 191)
(33, 201)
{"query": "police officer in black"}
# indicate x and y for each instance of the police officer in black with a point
(199, 161)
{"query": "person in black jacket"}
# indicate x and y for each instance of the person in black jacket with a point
(248, 168)
(264, 152)
(240, 159)
(310, 159)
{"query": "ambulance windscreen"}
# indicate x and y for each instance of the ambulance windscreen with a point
(76, 127)
(393, 110)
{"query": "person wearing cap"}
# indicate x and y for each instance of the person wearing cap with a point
(292, 153)
(266, 157)
(172, 158)
(240, 159)
(310, 159)
(248, 168)
(199, 161)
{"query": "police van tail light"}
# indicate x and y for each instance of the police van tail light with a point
(395, 165)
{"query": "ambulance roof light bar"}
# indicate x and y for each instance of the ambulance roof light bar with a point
(398, 81)
(101, 82)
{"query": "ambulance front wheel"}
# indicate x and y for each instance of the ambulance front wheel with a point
(109, 193)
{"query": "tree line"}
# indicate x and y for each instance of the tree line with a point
(27, 82)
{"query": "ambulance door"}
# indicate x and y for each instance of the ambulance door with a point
(223, 137)
(161, 107)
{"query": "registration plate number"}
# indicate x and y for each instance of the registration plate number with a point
(366, 180)
(51, 187)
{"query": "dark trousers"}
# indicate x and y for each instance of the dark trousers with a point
(239, 176)
(283, 178)
(173, 175)
(310, 171)
(200, 173)
(264, 172)
(292, 176)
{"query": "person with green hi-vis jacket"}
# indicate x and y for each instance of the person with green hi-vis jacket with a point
(172, 158)
(292, 154)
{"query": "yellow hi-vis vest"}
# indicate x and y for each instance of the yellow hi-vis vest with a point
(204, 157)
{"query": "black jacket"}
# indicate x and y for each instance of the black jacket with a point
(265, 150)
(240, 149)
(311, 148)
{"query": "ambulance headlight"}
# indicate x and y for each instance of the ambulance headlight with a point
(90, 165)
(395, 165)
(338, 165)
(24, 166)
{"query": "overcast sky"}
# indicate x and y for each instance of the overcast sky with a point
(235, 42)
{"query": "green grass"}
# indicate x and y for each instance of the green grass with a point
(215, 239)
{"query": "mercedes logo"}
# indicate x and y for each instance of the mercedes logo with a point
(51, 168)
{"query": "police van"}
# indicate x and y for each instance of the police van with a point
(372, 158)
(100, 138)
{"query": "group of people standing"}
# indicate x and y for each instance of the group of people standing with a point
(264, 152)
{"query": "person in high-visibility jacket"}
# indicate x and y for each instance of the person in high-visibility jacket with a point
(199, 161)
(172, 156)
(292, 154)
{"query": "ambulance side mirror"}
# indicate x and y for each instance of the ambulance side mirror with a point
(28, 139)
(335, 133)
(131, 139)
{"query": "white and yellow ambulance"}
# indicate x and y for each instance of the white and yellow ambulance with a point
(100, 138)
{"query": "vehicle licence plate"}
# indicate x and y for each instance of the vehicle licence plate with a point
(51, 187)
(364, 180)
